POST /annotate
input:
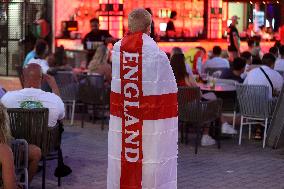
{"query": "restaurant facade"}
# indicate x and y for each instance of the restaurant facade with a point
(196, 20)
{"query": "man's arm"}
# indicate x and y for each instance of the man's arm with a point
(52, 83)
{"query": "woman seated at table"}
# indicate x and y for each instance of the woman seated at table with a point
(6, 157)
(184, 79)
(100, 63)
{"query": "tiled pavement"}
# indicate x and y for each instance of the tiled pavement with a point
(232, 167)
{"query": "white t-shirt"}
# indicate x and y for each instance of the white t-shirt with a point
(257, 77)
(217, 62)
(17, 99)
(279, 64)
(43, 64)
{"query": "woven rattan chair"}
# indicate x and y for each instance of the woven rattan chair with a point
(188, 98)
(32, 125)
(20, 153)
(92, 92)
(255, 107)
(68, 87)
(193, 111)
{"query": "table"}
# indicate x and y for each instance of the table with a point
(219, 87)
(225, 91)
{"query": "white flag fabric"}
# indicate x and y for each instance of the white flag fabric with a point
(143, 130)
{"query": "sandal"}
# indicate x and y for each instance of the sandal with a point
(258, 134)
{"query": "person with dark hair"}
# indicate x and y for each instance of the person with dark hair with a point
(248, 57)
(265, 75)
(274, 51)
(95, 38)
(182, 77)
(279, 64)
(41, 51)
(152, 34)
(235, 73)
(251, 44)
(57, 61)
(216, 61)
(170, 30)
(178, 50)
(234, 39)
(32, 53)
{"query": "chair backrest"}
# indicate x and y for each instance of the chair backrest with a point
(31, 125)
(188, 103)
(92, 90)
(211, 110)
(253, 100)
(67, 84)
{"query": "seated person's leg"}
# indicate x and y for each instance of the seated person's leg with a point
(34, 158)
(8, 169)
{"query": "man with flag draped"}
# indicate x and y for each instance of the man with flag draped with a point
(143, 131)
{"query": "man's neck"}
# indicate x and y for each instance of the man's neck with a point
(237, 73)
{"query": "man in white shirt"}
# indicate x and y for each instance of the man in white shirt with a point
(33, 97)
(41, 50)
(279, 64)
(257, 75)
(216, 61)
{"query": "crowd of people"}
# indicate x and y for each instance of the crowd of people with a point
(252, 67)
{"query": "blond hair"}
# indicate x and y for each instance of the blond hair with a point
(139, 20)
(5, 133)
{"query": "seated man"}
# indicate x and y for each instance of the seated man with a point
(279, 64)
(41, 50)
(265, 75)
(216, 61)
(33, 97)
(238, 68)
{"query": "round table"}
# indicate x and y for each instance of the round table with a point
(219, 87)
(227, 92)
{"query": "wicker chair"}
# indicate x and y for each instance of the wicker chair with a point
(20, 153)
(32, 125)
(68, 87)
(92, 92)
(195, 112)
(255, 107)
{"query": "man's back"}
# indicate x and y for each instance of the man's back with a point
(228, 74)
(279, 64)
(41, 62)
(217, 62)
(155, 92)
(257, 77)
(36, 98)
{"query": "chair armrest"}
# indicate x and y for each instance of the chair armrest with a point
(20, 153)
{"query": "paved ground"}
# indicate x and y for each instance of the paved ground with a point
(234, 167)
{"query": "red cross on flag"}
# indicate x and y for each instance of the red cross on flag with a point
(143, 131)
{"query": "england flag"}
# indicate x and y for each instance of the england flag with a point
(143, 130)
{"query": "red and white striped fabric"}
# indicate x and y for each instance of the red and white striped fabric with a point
(143, 132)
